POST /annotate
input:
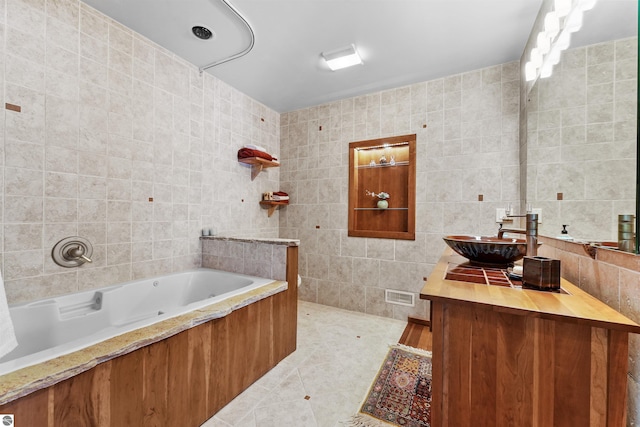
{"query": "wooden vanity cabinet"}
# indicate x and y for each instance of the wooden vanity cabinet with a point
(512, 357)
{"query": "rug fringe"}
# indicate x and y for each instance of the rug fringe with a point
(361, 420)
(414, 350)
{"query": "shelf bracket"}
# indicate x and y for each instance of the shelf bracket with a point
(255, 171)
(257, 165)
(271, 206)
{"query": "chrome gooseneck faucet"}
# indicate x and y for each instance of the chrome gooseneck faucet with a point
(531, 232)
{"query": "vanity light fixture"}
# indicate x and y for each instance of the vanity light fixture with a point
(342, 58)
(559, 23)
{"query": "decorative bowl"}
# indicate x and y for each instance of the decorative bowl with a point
(486, 250)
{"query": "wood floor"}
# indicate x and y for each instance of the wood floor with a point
(417, 334)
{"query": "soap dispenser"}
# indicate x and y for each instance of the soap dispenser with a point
(564, 234)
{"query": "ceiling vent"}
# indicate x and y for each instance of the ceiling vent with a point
(202, 33)
(399, 297)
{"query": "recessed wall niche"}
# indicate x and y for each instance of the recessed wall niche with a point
(382, 188)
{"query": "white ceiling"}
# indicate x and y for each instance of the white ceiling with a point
(401, 41)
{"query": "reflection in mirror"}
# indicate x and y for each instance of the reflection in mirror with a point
(581, 129)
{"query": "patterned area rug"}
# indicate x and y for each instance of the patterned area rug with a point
(401, 393)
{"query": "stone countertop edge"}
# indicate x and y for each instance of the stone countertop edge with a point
(32, 378)
(272, 240)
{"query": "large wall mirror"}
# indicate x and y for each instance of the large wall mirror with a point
(582, 129)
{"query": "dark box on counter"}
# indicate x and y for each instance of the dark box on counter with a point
(541, 273)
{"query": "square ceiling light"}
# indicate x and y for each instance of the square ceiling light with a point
(342, 58)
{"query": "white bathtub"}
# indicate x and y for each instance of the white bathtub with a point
(52, 327)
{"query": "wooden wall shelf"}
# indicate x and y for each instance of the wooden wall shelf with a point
(385, 165)
(378, 209)
(271, 205)
(257, 164)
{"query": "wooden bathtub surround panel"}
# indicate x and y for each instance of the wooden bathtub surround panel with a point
(35, 409)
(126, 397)
(290, 308)
(249, 360)
(286, 312)
(528, 364)
(182, 380)
(72, 406)
(156, 378)
(220, 393)
(199, 359)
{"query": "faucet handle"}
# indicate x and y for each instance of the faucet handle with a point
(77, 253)
(72, 252)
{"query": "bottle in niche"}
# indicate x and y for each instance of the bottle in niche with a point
(392, 161)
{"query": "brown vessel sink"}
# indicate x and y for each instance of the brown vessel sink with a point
(486, 250)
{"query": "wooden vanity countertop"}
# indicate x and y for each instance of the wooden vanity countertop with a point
(574, 306)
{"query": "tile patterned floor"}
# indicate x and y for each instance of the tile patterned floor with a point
(338, 356)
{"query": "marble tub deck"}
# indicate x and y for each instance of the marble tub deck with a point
(27, 380)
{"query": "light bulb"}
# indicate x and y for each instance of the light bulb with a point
(544, 44)
(564, 40)
(536, 57)
(562, 7)
(554, 55)
(530, 71)
(551, 24)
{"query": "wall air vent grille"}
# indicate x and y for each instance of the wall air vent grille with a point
(399, 297)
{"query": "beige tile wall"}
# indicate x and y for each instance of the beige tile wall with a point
(253, 258)
(109, 120)
(468, 147)
(582, 140)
